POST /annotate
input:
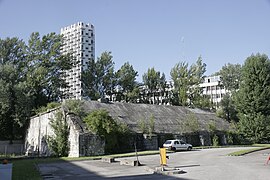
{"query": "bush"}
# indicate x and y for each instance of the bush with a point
(116, 135)
(215, 140)
(74, 106)
(229, 138)
(59, 143)
(51, 105)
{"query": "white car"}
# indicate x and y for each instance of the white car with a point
(176, 144)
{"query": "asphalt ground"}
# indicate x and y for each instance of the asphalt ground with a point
(205, 164)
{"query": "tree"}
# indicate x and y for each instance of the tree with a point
(151, 128)
(190, 125)
(134, 95)
(115, 134)
(89, 81)
(142, 125)
(151, 80)
(253, 99)
(230, 75)
(105, 74)
(45, 68)
(99, 79)
(186, 83)
(147, 126)
(30, 77)
(196, 76)
(59, 143)
(162, 88)
(126, 80)
(15, 102)
(74, 106)
(180, 77)
(228, 108)
(8, 100)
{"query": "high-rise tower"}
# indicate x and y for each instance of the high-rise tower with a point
(79, 40)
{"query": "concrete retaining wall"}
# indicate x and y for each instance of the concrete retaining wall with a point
(81, 143)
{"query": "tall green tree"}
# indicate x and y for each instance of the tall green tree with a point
(228, 109)
(180, 77)
(89, 81)
(45, 68)
(230, 75)
(14, 98)
(31, 76)
(196, 77)
(126, 80)
(186, 83)
(99, 78)
(105, 74)
(154, 82)
(163, 89)
(253, 99)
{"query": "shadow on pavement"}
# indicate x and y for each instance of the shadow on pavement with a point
(95, 169)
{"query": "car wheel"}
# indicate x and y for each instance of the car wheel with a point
(173, 149)
(189, 148)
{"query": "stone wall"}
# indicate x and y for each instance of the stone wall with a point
(37, 133)
(91, 145)
(81, 142)
(150, 142)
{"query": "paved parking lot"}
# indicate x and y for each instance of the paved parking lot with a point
(207, 164)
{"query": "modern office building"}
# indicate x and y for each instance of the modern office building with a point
(79, 40)
(213, 87)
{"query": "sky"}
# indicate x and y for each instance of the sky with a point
(152, 33)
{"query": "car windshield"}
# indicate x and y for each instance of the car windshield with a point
(167, 142)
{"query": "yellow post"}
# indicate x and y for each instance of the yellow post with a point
(163, 160)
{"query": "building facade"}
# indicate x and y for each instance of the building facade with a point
(79, 40)
(213, 87)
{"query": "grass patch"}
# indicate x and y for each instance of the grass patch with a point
(257, 147)
(25, 169)
(261, 145)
